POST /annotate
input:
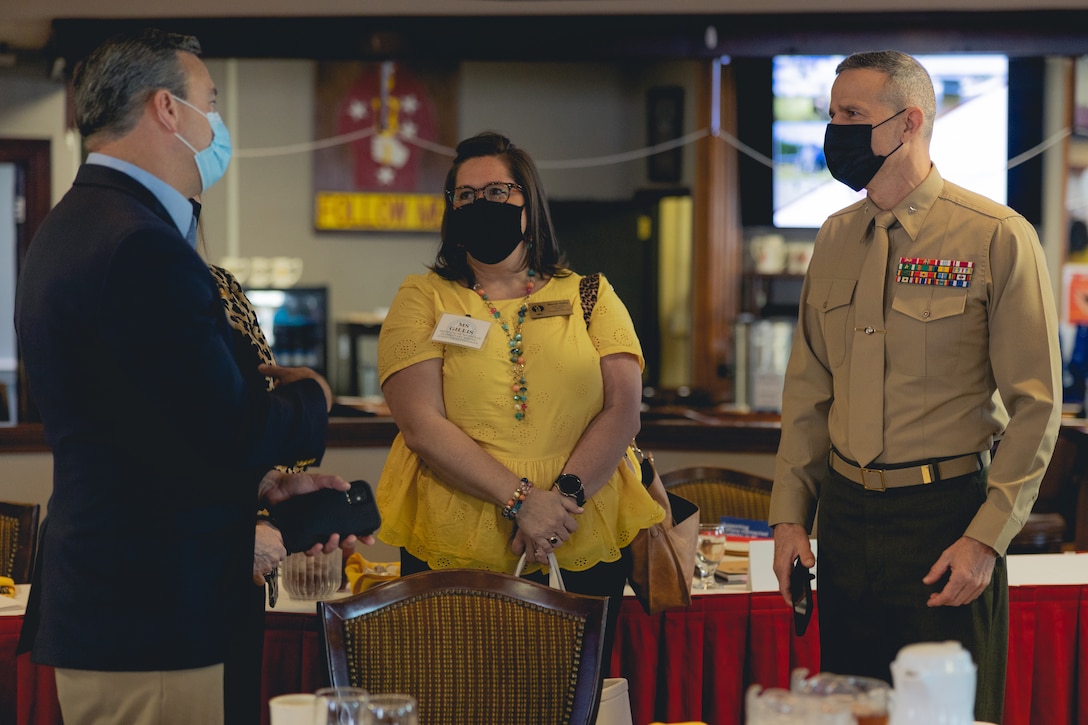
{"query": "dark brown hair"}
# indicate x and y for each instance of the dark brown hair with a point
(543, 254)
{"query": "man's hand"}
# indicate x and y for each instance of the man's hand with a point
(790, 543)
(971, 564)
(277, 486)
(293, 375)
(268, 551)
(335, 542)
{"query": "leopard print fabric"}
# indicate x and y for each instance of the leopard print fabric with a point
(588, 287)
(241, 316)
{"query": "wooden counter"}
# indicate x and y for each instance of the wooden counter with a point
(756, 433)
(662, 429)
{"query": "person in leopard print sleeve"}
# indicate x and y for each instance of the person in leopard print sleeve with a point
(242, 673)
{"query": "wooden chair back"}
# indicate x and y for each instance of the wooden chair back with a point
(18, 539)
(722, 492)
(472, 647)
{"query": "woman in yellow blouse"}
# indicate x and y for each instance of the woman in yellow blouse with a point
(516, 413)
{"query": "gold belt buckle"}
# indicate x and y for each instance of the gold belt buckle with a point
(878, 472)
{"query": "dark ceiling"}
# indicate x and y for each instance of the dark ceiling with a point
(557, 38)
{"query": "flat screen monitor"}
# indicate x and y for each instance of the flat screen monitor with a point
(970, 137)
(295, 322)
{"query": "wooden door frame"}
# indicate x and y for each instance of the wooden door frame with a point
(33, 157)
(717, 253)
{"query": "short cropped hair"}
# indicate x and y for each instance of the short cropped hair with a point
(908, 83)
(111, 85)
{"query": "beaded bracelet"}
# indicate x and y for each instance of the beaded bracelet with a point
(510, 511)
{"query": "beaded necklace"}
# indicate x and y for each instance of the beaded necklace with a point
(513, 337)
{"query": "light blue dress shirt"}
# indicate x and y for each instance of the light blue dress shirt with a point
(179, 208)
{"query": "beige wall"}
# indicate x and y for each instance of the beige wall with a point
(33, 108)
(558, 111)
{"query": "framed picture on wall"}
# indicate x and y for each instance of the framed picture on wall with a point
(386, 130)
(664, 122)
(1080, 96)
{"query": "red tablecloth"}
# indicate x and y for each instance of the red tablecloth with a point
(693, 664)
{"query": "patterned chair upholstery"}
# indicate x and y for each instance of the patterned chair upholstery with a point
(472, 647)
(18, 539)
(721, 492)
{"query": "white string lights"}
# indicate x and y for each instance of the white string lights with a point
(587, 162)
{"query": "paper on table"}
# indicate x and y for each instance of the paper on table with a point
(1047, 569)
(16, 606)
(761, 576)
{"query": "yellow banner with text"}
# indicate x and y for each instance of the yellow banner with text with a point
(361, 211)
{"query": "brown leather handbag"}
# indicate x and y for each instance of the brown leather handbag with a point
(663, 555)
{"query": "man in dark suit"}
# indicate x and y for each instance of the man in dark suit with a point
(159, 446)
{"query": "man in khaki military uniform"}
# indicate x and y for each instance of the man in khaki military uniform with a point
(921, 302)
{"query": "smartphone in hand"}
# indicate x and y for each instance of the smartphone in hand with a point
(801, 593)
(313, 517)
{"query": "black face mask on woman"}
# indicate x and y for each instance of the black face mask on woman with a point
(848, 151)
(487, 230)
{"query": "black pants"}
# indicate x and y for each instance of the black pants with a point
(874, 549)
(606, 579)
(242, 703)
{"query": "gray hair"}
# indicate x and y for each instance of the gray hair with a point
(111, 85)
(907, 84)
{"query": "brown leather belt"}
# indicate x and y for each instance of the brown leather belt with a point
(881, 479)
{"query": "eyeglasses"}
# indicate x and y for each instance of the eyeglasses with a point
(496, 191)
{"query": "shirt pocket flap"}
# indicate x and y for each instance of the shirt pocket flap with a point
(827, 293)
(927, 304)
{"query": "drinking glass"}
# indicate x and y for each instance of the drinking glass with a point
(341, 706)
(312, 577)
(776, 706)
(291, 709)
(869, 698)
(392, 709)
(709, 553)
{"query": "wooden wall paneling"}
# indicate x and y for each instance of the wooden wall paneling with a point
(717, 260)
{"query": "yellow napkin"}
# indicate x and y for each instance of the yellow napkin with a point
(7, 587)
(363, 574)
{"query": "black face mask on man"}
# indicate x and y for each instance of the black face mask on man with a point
(848, 150)
(487, 230)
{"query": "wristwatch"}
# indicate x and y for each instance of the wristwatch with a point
(571, 486)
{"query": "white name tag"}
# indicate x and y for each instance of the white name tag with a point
(461, 330)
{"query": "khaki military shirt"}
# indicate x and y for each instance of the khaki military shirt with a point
(957, 358)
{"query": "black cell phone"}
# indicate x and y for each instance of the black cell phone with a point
(801, 593)
(313, 517)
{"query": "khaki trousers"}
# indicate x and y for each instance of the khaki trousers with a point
(172, 697)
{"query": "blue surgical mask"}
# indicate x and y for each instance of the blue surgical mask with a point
(212, 161)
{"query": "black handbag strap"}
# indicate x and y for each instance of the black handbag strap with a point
(588, 288)
(646, 463)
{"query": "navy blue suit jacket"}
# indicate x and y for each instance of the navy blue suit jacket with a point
(158, 441)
